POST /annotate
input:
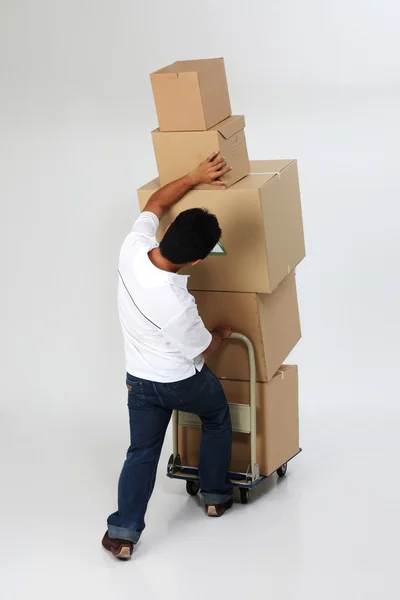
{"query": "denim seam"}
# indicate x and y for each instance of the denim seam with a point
(210, 498)
(123, 533)
(161, 399)
(175, 396)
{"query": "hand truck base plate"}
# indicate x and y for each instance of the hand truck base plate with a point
(237, 479)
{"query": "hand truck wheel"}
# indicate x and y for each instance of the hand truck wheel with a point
(281, 472)
(192, 487)
(244, 495)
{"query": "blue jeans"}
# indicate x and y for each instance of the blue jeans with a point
(150, 407)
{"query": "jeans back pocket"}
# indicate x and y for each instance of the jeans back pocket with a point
(136, 395)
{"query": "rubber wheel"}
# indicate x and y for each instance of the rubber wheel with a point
(281, 472)
(192, 487)
(244, 495)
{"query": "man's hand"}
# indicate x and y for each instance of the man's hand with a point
(218, 334)
(224, 331)
(211, 171)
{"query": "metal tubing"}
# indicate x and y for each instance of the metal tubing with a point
(253, 409)
(175, 433)
(253, 403)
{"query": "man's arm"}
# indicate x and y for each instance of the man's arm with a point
(210, 171)
(187, 333)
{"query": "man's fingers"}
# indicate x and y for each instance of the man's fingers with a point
(218, 182)
(212, 156)
(220, 166)
(224, 171)
(217, 168)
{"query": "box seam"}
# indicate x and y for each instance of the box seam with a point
(202, 101)
(265, 237)
(261, 336)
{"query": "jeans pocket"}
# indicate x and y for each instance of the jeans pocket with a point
(182, 390)
(136, 395)
(183, 384)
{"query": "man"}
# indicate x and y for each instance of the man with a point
(165, 345)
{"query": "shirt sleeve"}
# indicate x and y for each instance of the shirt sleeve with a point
(146, 225)
(187, 333)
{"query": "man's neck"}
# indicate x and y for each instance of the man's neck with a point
(162, 263)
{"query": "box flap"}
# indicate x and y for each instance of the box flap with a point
(253, 181)
(152, 186)
(261, 172)
(261, 167)
(185, 66)
(201, 64)
(163, 75)
(230, 126)
(284, 369)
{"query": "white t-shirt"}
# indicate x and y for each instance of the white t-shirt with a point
(164, 336)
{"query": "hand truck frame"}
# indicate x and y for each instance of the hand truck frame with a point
(244, 481)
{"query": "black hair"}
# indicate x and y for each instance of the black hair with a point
(191, 237)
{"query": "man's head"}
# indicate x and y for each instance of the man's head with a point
(191, 237)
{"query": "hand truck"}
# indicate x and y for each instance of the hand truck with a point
(246, 422)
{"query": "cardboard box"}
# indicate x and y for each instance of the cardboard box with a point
(191, 95)
(179, 153)
(270, 321)
(262, 229)
(277, 424)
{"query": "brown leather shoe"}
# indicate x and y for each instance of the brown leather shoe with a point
(217, 510)
(121, 549)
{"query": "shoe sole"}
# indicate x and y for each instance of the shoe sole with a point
(212, 511)
(123, 553)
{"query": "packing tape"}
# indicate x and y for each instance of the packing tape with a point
(267, 173)
(282, 373)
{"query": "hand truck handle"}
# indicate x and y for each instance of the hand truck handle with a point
(253, 409)
(253, 403)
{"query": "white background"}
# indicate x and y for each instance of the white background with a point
(317, 80)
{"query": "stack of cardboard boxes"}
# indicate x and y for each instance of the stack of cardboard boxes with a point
(248, 281)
